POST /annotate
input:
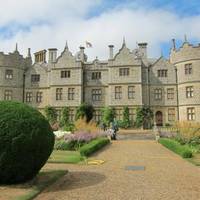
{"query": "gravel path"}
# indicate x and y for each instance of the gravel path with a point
(166, 176)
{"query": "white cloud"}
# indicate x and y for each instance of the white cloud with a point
(66, 20)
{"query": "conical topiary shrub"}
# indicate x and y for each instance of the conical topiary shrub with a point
(26, 142)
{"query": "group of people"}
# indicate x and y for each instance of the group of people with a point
(113, 128)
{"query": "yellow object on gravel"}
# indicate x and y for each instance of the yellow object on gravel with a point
(95, 162)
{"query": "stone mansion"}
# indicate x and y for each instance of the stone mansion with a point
(170, 87)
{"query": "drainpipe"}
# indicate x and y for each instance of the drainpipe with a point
(23, 94)
(177, 93)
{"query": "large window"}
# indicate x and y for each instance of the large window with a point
(131, 92)
(171, 114)
(9, 74)
(59, 114)
(35, 78)
(189, 92)
(191, 114)
(65, 74)
(188, 68)
(71, 93)
(118, 92)
(29, 97)
(8, 95)
(119, 114)
(162, 73)
(96, 94)
(96, 75)
(132, 114)
(158, 94)
(97, 115)
(59, 93)
(124, 71)
(39, 97)
(71, 115)
(170, 93)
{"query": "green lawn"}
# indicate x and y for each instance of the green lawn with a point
(36, 186)
(65, 157)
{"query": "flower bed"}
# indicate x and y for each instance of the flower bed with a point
(78, 139)
(174, 146)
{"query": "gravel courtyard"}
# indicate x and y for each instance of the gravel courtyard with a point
(165, 175)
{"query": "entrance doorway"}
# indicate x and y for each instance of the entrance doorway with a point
(159, 118)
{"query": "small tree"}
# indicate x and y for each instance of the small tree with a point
(108, 115)
(85, 111)
(64, 121)
(51, 114)
(144, 117)
(126, 119)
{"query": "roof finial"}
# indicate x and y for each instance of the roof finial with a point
(29, 52)
(66, 46)
(16, 48)
(174, 44)
(185, 38)
(124, 41)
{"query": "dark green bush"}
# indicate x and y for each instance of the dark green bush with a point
(144, 117)
(108, 115)
(126, 119)
(26, 142)
(93, 146)
(173, 145)
(187, 154)
(85, 111)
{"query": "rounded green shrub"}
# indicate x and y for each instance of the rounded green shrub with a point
(187, 154)
(26, 142)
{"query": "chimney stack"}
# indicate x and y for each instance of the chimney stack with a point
(82, 54)
(174, 44)
(29, 53)
(111, 48)
(52, 55)
(143, 49)
(40, 56)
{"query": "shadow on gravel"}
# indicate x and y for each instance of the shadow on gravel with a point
(78, 179)
(105, 148)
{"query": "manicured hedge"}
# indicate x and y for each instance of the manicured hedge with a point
(173, 145)
(93, 146)
(62, 145)
(26, 142)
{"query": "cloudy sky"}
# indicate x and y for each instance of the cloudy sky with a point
(43, 24)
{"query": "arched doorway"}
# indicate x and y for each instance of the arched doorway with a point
(159, 118)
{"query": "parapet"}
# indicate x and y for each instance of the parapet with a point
(11, 59)
(185, 53)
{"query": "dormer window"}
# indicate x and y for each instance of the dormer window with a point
(65, 74)
(124, 72)
(9, 74)
(162, 73)
(96, 75)
(35, 78)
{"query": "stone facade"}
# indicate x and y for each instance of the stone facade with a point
(171, 88)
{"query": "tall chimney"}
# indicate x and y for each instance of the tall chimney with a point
(143, 49)
(40, 56)
(82, 55)
(29, 53)
(174, 44)
(111, 47)
(52, 55)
